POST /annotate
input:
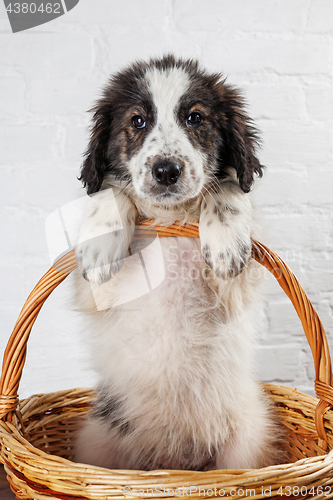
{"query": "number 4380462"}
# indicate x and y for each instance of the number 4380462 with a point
(304, 491)
(32, 8)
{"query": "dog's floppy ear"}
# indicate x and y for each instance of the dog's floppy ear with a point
(240, 140)
(95, 164)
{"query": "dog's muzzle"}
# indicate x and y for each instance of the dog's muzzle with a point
(166, 172)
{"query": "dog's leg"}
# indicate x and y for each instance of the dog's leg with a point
(225, 230)
(105, 235)
(256, 443)
(94, 445)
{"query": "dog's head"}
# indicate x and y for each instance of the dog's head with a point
(169, 129)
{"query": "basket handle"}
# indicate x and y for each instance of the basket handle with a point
(15, 353)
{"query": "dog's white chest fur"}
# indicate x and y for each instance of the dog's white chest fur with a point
(177, 363)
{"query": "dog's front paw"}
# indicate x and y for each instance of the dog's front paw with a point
(101, 257)
(225, 236)
(103, 238)
(226, 261)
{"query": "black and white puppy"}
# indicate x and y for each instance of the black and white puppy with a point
(171, 142)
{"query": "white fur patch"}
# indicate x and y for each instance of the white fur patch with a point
(167, 87)
(168, 139)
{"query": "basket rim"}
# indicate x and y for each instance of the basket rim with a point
(10, 432)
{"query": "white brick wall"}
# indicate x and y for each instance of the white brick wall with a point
(279, 52)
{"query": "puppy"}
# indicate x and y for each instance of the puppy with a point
(171, 142)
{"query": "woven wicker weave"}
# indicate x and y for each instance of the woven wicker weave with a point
(36, 434)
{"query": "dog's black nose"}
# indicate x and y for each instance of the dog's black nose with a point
(167, 172)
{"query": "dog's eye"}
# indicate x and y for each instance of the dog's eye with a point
(138, 121)
(194, 118)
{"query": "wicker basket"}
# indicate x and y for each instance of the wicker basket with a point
(36, 434)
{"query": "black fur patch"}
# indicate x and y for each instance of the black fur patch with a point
(110, 410)
(207, 254)
(114, 139)
(226, 133)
